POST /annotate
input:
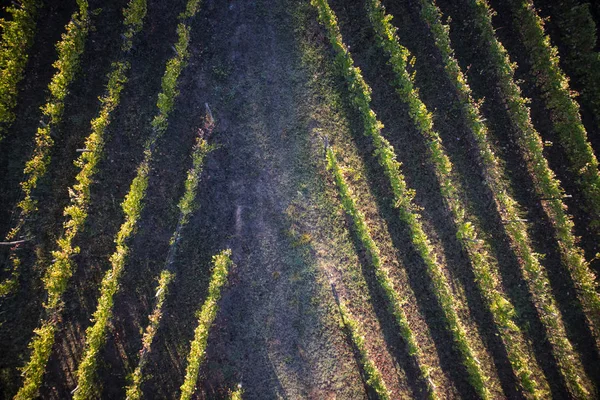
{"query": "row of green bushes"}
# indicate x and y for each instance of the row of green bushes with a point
(561, 105)
(547, 188)
(374, 378)
(186, 207)
(59, 273)
(17, 37)
(394, 302)
(485, 271)
(134, 390)
(221, 265)
(132, 206)
(70, 48)
(403, 197)
(578, 32)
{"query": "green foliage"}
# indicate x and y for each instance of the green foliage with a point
(360, 98)
(186, 206)
(381, 274)
(17, 37)
(374, 379)
(560, 103)
(134, 391)
(191, 9)
(10, 284)
(485, 272)
(186, 203)
(578, 31)
(221, 265)
(133, 19)
(237, 393)
(547, 187)
(69, 48)
(166, 98)
(34, 370)
(60, 271)
(132, 207)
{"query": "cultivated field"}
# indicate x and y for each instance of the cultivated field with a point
(299, 199)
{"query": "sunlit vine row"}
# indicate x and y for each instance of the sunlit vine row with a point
(70, 48)
(17, 37)
(547, 188)
(403, 198)
(60, 271)
(561, 106)
(132, 207)
(387, 286)
(208, 312)
(167, 275)
(486, 274)
(579, 32)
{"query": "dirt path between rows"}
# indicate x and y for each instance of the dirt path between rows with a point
(275, 333)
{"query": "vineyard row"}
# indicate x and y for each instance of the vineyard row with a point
(132, 206)
(167, 275)
(486, 274)
(70, 48)
(17, 37)
(403, 198)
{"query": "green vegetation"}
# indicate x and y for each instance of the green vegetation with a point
(132, 207)
(548, 188)
(167, 275)
(62, 268)
(440, 295)
(403, 197)
(562, 107)
(237, 393)
(134, 390)
(221, 265)
(578, 31)
(467, 228)
(17, 37)
(374, 379)
(70, 48)
(387, 287)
